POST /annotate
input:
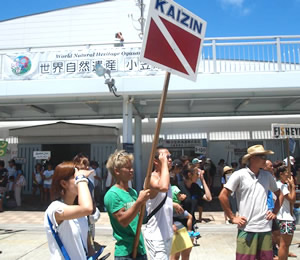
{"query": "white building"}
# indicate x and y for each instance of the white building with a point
(244, 85)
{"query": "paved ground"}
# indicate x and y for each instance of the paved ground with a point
(22, 237)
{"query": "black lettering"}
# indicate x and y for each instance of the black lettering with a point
(197, 26)
(287, 131)
(160, 4)
(292, 131)
(171, 12)
(276, 131)
(191, 22)
(178, 15)
(185, 19)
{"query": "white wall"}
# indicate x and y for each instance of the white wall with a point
(92, 23)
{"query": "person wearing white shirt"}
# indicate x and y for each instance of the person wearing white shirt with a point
(47, 175)
(69, 221)
(285, 216)
(251, 185)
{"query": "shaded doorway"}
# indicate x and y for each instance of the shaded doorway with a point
(65, 152)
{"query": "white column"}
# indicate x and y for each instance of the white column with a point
(127, 120)
(139, 177)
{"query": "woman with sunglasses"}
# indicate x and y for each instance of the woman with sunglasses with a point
(66, 220)
(123, 205)
(285, 216)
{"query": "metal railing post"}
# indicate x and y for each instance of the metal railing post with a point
(278, 54)
(214, 54)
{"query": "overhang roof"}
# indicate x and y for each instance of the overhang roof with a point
(220, 95)
(64, 129)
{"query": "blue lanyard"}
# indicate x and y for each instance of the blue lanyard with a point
(59, 242)
(64, 251)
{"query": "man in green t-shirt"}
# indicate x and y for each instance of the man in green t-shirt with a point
(123, 205)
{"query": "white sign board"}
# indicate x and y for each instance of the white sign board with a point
(280, 131)
(42, 155)
(173, 39)
(200, 150)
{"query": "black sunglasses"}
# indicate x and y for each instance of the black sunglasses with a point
(169, 156)
(263, 157)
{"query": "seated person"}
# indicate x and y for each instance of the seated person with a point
(195, 195)
(178, 197)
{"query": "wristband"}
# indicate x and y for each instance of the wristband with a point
(80, 178)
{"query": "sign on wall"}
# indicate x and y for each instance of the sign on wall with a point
(42, 155)
(81, 64)
(280, 131)
(173, 39)
(181, 143)
(200, 150)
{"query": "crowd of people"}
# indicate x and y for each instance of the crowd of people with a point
(177, 190)
(257, 195)
(265, 194)
(12, 181)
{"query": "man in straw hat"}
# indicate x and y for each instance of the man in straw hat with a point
(251, 185)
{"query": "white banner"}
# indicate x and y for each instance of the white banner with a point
(70, 64)
(285, 130)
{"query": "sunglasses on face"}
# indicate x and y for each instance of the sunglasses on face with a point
(263, 157)
(169, 156)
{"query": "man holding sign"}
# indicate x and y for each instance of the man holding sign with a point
(159, 232)
(172, 42)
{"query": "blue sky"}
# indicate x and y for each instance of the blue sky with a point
(224, 17)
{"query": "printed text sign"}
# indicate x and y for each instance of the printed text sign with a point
(173, 39)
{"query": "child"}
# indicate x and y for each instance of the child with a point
(177, 198)
(47, 175)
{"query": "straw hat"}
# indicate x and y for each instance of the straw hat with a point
(226, 169)
(255, 150)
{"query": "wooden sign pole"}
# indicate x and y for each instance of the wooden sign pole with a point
(151, 159)
(288, 155)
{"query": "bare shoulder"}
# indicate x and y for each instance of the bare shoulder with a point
(153, 181)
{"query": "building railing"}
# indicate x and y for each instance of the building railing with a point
(222, 54)
(251, 54)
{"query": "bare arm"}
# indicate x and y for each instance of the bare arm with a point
(207, 196)
(278, 202)
(161, 184)
(177, 207)
(224, 200)
(85, 203)
(125, 217)
(291, 197)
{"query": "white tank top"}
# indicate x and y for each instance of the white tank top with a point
(159, 227)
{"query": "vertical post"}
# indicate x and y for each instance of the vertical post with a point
(127, 120)
(214, 53)
(278, 54)
(288, 154)
(138, 152)
(151, 159)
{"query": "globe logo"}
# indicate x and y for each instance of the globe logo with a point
(21, 65)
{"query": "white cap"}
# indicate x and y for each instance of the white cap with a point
(292, 160)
